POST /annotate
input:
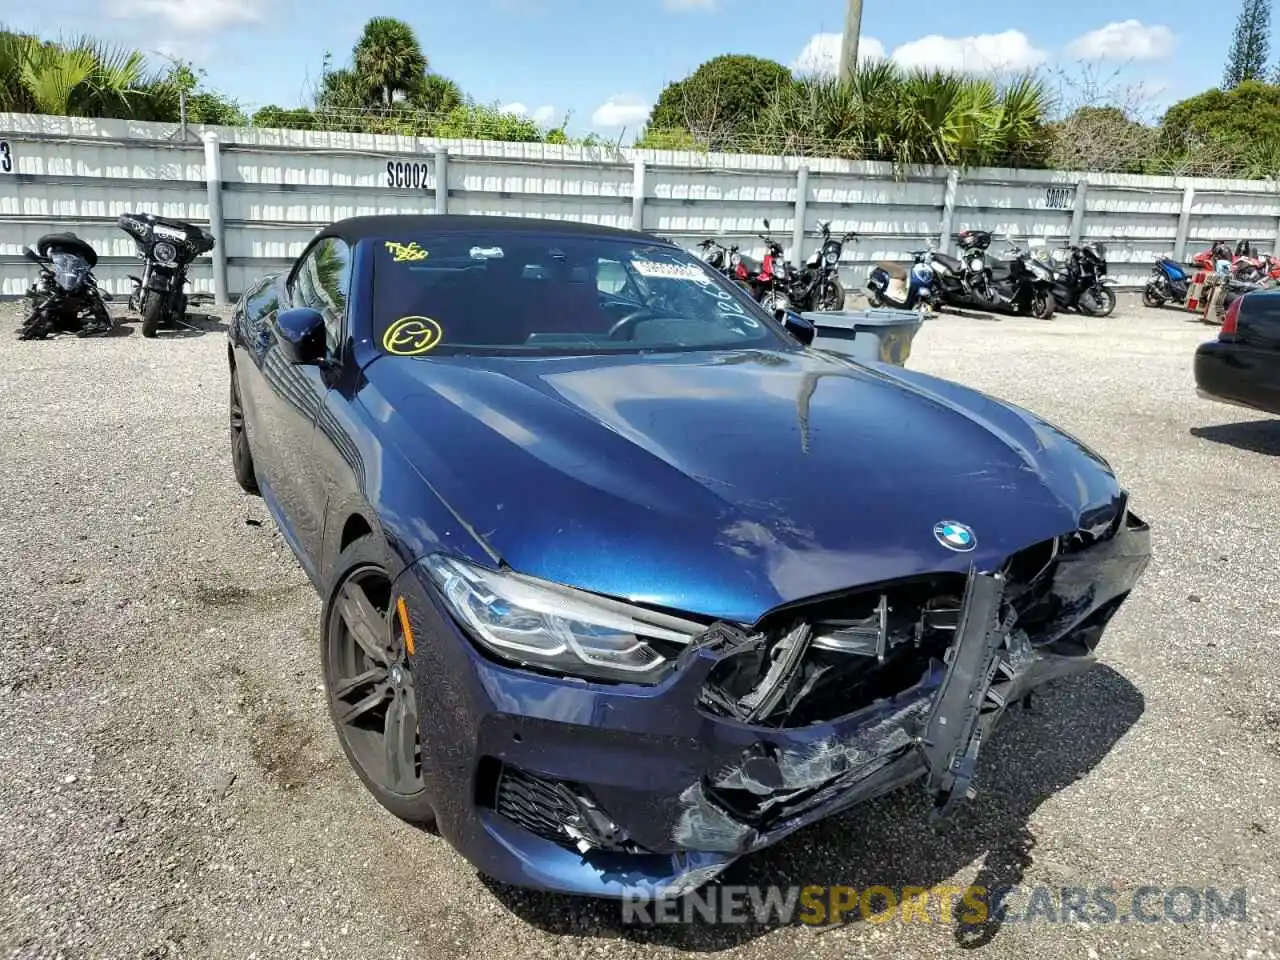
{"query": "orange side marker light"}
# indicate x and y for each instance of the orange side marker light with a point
(403, 612)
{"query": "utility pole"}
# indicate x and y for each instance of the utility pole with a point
(849, 43)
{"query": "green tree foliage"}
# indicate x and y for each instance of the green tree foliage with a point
(1250, 45)
(437, 94)
(720, 102)
(85, 78)
(389, 89)
(734, 102)
(909, 117)
(81, 78)
(389, 58)
(1227, 131)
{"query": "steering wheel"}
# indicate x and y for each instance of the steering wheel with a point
(629, 321)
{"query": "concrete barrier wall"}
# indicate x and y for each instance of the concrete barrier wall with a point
(277, 187)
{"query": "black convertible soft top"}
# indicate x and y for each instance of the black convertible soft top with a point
(354, 229)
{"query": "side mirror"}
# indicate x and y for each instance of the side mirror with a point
(301, 334)
(766, 223)
(796, 325)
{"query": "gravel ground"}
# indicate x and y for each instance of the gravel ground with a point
(171, 785)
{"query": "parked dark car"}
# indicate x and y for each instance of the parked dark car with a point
(621, 579)
(1242, 365)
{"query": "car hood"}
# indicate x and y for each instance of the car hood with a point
(727, 483)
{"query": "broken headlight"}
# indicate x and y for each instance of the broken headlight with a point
(544, 625)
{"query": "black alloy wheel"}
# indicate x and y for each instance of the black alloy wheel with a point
(241, 457)
(370, 685)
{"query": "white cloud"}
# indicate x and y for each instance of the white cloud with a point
(1124, 40)
(188, 16)
(623, 110)
(1010, 50)
(543, 115)
(821, 55)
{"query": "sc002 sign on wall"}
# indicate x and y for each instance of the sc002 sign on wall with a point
(1059, 198)
(408, 175)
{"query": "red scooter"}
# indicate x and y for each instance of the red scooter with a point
(767, 279)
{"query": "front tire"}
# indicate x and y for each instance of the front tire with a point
(1150, 298)
(153, 315)
(370, 685)
(773, 300)
(1098, 302)
(241, 457)
(1042, 304)
(831, 298)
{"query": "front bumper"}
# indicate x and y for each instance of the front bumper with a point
(619, 790)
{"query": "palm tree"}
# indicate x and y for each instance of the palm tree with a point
(82, 78)
(437, 94)
(344, 90)
(389, 57)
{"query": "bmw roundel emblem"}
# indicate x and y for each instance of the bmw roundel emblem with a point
(955, 536)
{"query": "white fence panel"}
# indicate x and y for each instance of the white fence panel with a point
(279, 186)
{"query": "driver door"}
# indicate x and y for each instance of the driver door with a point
(321, 281)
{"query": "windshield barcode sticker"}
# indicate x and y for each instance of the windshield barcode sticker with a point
(671, 271)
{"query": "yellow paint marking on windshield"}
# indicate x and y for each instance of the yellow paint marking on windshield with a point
(411, 336)
(406, 252)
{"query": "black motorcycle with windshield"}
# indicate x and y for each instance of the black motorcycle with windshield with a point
(1084, 285)
(65, 298)
(1020, 285)
(167, 249)
(816, 286)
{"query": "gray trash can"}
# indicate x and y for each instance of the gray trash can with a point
(873, 335)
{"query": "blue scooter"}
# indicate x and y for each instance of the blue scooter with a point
(1168, 283)
(919, 279)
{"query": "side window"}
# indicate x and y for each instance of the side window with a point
(323, 282)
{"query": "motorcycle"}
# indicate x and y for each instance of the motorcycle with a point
(1168, 283)
(167, 249)
(1021, 285)
(918, 293)
(768, 279)
(715, 254)
(1084, 285)
(817, 285)
(65, 298)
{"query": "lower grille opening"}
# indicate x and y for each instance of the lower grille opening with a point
(557, 810)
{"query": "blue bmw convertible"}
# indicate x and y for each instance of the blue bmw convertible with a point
(622, 578)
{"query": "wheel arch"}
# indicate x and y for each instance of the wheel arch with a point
(348, 521)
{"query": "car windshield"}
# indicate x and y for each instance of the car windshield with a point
(531, 293)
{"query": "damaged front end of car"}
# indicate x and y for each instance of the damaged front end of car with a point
(761, 730)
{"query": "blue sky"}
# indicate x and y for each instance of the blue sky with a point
(606, 61)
